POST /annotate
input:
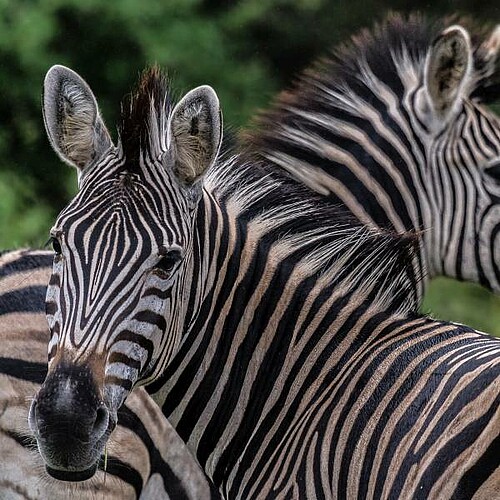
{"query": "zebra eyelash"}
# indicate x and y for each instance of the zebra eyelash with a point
(169, 260)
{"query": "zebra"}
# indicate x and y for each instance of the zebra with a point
(146, 457)
(278, 334)
(394, 127)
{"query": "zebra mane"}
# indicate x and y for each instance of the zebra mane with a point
(399, 40)
(323, 237)
(144, 115)
(392, 49)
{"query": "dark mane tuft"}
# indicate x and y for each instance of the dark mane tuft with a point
(152, 92)
(383, 47)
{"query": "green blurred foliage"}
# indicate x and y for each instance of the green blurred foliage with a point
(246, 49)
(463, 303)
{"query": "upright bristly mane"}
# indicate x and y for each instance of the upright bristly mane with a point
(144, 116)
(327, 240)
(393, 51)
(350, 256)
(259, 187)
(320, 122)
(399, 41)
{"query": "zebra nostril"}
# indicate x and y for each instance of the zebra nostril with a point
(101, 422)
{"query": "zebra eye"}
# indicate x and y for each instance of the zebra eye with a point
(168, 262)
(56, 246)
(493, 171)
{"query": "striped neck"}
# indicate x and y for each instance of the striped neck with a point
(363, 129)
(248, 292)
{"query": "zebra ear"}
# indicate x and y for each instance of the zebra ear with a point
(448, 66)
(72, 120)
(195, 133)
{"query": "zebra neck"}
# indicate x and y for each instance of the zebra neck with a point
(257, 302)
(233, 381)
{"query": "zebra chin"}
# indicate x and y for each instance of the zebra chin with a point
(71, 422)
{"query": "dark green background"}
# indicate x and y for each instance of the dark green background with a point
(247, 50)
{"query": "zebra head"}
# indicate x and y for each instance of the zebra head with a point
(121, 254)
(460, 174)
(395, 126)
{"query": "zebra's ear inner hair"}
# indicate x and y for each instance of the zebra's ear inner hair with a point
(448, 67)
(195, 133)
(72, 119)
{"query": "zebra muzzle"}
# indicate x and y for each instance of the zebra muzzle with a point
(70, 422)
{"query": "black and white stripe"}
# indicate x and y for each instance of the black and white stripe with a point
(394, 126)
(146, 459)
(278, 334)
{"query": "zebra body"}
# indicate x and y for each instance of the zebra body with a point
(279, 337)
(146, 458)
(394, 127)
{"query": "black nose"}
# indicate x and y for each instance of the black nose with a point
(69, 418)
(68, 423)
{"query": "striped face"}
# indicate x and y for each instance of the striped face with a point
(122, 256)
(464, 190)
(461, 174)
(120, 246)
